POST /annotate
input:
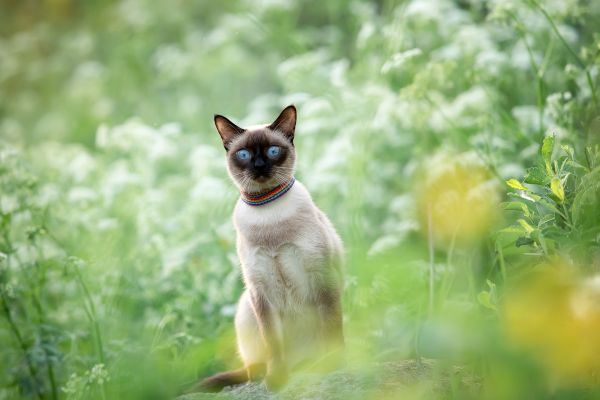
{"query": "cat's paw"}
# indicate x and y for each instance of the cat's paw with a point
(276, 379)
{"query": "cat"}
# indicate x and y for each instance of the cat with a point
(291, 257)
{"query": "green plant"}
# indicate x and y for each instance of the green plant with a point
(559, 203)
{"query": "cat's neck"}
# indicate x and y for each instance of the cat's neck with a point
(292, 205)
(268, 195)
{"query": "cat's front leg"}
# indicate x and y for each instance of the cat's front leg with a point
(330, 314)
(271, 330)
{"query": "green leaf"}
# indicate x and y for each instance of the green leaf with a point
(484, 299)
(528, 228)
(523, 241)
(547, 148)
(548, 205)
(515, 184)
(569, 150)
(510, 230)
(517, 206)
(576, 165)
(546, 219)
(530, 197)
(536, 176)
(558, 190)
(539, 238)
(586, 203)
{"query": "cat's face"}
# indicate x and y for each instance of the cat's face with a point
(260, 157)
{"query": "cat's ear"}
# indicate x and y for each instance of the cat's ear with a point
(227, 129)
(286, 122)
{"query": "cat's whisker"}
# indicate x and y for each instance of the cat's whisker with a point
(280, 179)
(246, 183)
(243, 180)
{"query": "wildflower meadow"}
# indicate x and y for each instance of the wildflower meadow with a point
(454, 144)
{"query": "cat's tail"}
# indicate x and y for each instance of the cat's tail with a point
(218, 381)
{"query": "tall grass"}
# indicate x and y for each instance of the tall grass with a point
(453, 144)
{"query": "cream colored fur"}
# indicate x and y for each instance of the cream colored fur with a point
(289, 251)
(291, 257)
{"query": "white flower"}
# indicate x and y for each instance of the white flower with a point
(398, 59)
(80, 194)
(528, 117)
(135, 137)
(134, 13)
(8, 203)
(367, 30)
(466, 109)
(98, 374)
(87, 82)
(203, 159)
(81, 165)
(210, 190)
(171, 62)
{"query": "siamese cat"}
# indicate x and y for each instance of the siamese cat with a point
(291, 258)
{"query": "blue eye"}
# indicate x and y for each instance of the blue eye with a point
(273, 151)
(243, 155)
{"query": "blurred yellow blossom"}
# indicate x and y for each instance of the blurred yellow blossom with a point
(555, 315)
(456, 198)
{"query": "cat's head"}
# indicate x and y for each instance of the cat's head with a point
(260, 157)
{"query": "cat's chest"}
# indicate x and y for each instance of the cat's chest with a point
(281, 248)
(285, 276)
(271, 236)
(285, 221)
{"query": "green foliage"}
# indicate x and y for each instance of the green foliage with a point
(118, 273)
(552, 217)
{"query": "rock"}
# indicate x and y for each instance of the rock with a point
(380, 381)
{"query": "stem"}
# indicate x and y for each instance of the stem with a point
(471, 279)
(49, 366)
(41, 320)
(447, 283)
(570, 50)
(40, 311)
(538, 73)
(586, 151)
(567, 218)
(431, 258)
(22, 345)
(11, 321)
(52, 379)
(417, 333)
(540, 94)
(90, 311)
(501, 261)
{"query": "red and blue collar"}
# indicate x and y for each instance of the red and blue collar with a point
(260, 199)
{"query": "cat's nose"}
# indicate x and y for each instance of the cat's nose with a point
(259, 163)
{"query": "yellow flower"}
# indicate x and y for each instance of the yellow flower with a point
(456, 198)
(555, 316)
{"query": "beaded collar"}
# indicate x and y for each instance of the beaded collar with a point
(261, 199)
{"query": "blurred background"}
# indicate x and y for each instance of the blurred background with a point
(454, 144)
